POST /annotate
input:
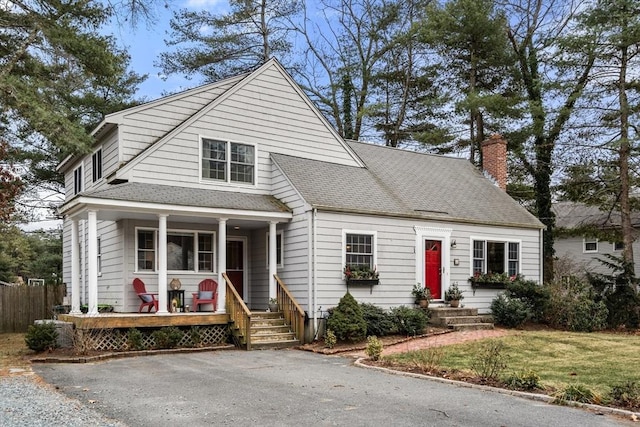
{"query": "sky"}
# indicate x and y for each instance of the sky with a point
(144, 45)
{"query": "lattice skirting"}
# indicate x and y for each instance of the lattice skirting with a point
(117, 339)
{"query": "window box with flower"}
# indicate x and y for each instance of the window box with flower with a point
(361, 275)
(492, 280)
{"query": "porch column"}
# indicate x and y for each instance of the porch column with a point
(75, 269)
(222, 264)
(92, 262)
(162, 263)
(273, 259)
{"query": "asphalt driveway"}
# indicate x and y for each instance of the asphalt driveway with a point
(289, 387)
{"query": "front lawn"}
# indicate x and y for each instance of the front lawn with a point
(596, 360)
(13, 352)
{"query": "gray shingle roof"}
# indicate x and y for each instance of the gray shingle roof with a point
(405, 183)
(571, 215)
(184, 196)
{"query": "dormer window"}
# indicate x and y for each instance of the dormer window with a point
(228, 161)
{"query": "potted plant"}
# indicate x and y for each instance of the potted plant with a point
(421, 294)
(273, 305)
(453, 295)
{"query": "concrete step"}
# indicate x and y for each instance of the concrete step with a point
(461, 320)
(273, 337)
(471, 326)
(438, 312)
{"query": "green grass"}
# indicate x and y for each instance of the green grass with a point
(597, 360)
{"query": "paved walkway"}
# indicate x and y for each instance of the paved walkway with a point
(438, 341)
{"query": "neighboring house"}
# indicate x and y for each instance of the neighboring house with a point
(245, 176)
(577, 241)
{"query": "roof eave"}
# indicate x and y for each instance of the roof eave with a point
(328, 208)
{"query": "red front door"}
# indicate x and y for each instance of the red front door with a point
(433, 267)
(235, 264)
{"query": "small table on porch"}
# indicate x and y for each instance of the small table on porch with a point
(178, 296)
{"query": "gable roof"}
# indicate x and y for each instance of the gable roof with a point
(405, 183)
(237, 85)
(112, 120)
(572, 215)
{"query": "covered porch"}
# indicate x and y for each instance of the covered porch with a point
(103, 273)
(246, 328)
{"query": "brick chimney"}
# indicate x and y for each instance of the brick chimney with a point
(494, 159)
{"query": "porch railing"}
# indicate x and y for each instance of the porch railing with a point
(291, 310)
(238, 311)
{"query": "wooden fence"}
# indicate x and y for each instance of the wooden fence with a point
(21, 305)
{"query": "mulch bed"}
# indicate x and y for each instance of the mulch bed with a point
(69, 355)
(341, 347)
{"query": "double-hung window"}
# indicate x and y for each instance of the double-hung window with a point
(186, 251)
(359, 249)
(590, 245)
(96, 163)
(496, 257)
(77, 180)
(228, 161)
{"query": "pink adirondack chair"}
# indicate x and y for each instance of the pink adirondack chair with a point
(148, 299)
(207, 294)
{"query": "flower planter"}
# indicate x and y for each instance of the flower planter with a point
(488, 285)
(365, 282)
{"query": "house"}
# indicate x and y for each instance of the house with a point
(579, 238)
(246, 177)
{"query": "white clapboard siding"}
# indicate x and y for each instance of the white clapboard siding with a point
(573, 260)
(144, 126)
(282, 190)
(111, 279)
(266, 112)
(109, 152)
(396, 258)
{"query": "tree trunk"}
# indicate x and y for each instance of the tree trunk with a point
(624, 153)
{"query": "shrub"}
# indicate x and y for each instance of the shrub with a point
(379, 322)
(618, 291)
(573, 306)
(347, 321)
(134, 339)
(42, 336)
(167, 337)
(626, 395)
(576, 393)
(510, 312)
(330, 339)
(374, 347)
(409, 321)
(490, 360)
(535, 295)
(525, 380)
(196, 337)
(428, 359)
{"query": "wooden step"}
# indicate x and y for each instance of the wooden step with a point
(269, 331)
